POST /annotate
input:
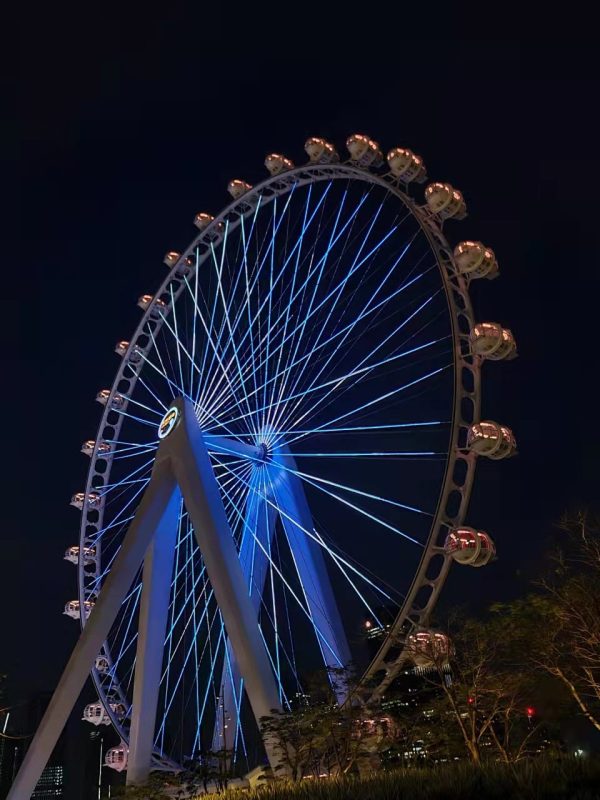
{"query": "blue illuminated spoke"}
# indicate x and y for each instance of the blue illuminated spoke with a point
(305, 609)
(196, 629)
(239, 317)
(117, 521)
(354, 428)
(237, 699)
(299, 291)
(338, 380)
(219, 273)
(331, 294)
(203, 372)
(127, 479)
(313, 320)
(177, 340)
(333, 338)
(337, 293)
(343, 500)
(337, 558)
(141, 420)
(307, 314)
(289, 305)
(380, 398)
(194, 328)
(364, 512)
(361, 371)
(159, 413)
(353, 490)
(175, 389)
(136, 453)
(129, 608)
(380, 454)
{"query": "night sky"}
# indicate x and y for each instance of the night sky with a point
(118, 137)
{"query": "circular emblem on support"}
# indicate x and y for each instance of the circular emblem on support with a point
(168, 422)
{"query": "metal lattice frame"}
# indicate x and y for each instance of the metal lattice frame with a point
(453, 502)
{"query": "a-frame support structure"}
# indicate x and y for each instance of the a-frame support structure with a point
(282, 494)
(183, 472)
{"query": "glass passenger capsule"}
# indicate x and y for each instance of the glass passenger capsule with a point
(79, 500)
(103, 397)
(445, 201)
(116, 757)
(145, 301)
(427, 648)
(491, 439)
(364, 152)
(491, 340)
(406, 166)
(87, 448)
(469, 546)
(237, 188)
(320, 151)
(73, 609)
(276, 164)
(72, 554)
(476, 260)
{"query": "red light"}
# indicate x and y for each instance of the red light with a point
(530, 711)
(470, 700)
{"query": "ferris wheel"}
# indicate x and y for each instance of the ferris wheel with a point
(302, 395)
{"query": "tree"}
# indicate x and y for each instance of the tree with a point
(557, 628)
(317, 736)
(479, 692)
(292, 737)
(211, 770)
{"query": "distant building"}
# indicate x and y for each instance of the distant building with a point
(376, 628)
(64, 775)
(9, 757)
(11, 754)
(51, 783)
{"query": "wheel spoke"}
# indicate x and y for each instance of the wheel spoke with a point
(315, 336)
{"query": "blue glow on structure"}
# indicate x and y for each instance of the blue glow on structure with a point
(297, 335)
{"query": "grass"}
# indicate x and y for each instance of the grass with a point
(567, 779)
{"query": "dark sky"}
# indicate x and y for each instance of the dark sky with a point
(117, 134)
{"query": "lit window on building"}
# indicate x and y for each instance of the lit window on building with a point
(50, 784)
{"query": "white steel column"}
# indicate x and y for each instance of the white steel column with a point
(182, 463)
(259, 526)
(118, 582)
(194, 472)
(308, 557)
(152, 626)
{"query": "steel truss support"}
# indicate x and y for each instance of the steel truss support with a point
(182, 463)
(310, 564)
(201, 494)
(150, 513)
(152, 626)
(284, 495)
(259, 526)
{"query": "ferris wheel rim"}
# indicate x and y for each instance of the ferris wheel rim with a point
(454, 285)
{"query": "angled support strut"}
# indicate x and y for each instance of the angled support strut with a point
(182, 465)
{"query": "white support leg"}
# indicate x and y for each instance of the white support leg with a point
(312, 570)
(194, 472)
(259, 522)
(147, 518)
(182, 462)
(152, 626)
(290, 498)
